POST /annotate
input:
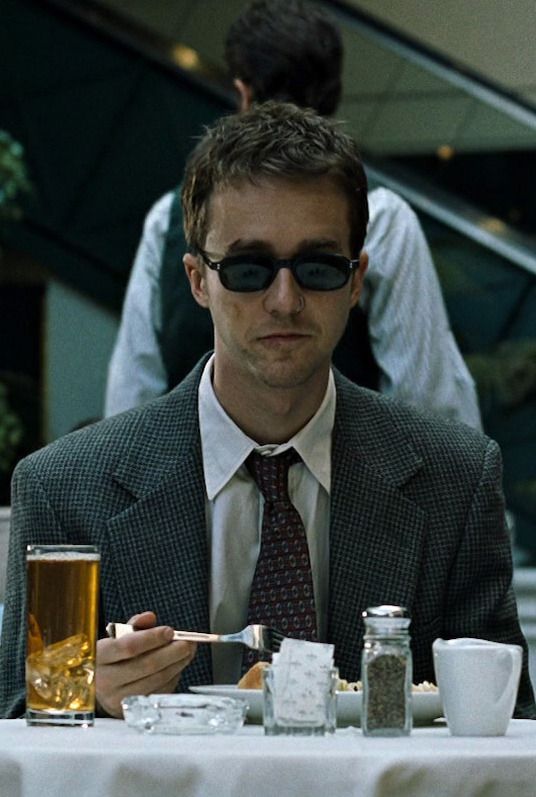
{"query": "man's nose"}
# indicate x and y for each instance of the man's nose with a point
(284, 296)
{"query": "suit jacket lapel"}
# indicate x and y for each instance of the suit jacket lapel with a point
(376, 532)
(159, 542)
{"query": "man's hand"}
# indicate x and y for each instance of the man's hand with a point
(140, 663)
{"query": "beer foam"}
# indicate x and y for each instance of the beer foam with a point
(63, 556)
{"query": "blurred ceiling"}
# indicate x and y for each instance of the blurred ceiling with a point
(397, 101)
(493, 38)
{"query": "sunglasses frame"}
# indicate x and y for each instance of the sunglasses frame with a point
(276, 264)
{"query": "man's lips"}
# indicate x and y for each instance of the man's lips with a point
(282, 337)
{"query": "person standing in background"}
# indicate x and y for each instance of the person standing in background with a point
(398, 339)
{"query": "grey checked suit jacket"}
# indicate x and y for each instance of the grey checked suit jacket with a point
(416, 519)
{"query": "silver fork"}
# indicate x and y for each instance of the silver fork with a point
(256, 637)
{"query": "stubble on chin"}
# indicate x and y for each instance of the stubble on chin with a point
(283, 374)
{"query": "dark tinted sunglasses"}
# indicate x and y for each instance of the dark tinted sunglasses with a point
(247, 273)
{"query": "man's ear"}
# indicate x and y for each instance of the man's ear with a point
(245, 94)
(195, 272)
(358, 275)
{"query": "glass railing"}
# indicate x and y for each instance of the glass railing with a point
(402, 102)
(447, 125)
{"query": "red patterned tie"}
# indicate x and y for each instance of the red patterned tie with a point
(282, 594)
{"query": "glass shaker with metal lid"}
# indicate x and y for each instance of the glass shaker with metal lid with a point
(386, 672)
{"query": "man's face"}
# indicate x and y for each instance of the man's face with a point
(284, 336)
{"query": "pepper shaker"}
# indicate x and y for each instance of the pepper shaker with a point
(386, 672)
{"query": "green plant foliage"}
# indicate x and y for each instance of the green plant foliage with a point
(13, 178)
(11, 432)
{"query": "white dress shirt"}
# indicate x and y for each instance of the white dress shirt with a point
(234, 508)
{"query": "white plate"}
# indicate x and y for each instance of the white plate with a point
(426, 705)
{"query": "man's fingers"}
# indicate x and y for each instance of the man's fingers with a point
(155, 670)
(133, 645)
(144, 661)
(143, 620)
(177, 656)
(161, 681)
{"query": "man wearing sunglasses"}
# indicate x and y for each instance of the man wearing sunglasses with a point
(266, 487)
(398, 340)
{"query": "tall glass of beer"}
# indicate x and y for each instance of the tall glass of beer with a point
(62, 615)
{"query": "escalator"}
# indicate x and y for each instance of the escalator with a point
(107, 98)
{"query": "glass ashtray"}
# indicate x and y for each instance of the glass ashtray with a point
(184, 714)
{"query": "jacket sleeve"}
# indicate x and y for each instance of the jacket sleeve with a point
(481, 601)
(32, 521)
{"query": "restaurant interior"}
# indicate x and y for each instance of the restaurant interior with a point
(101, 101)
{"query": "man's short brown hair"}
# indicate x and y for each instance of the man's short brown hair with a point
(272, 140)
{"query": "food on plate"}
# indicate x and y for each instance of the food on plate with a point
(357, 686)
(252, 679)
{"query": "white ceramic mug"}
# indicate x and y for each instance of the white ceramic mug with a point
(478, 682)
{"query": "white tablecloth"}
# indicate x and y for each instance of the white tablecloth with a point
(112, 760)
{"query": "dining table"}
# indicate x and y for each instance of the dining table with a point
(111, 759)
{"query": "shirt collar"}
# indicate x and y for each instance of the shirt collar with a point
(225, 447)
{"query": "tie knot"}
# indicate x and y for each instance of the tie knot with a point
(271, 473)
